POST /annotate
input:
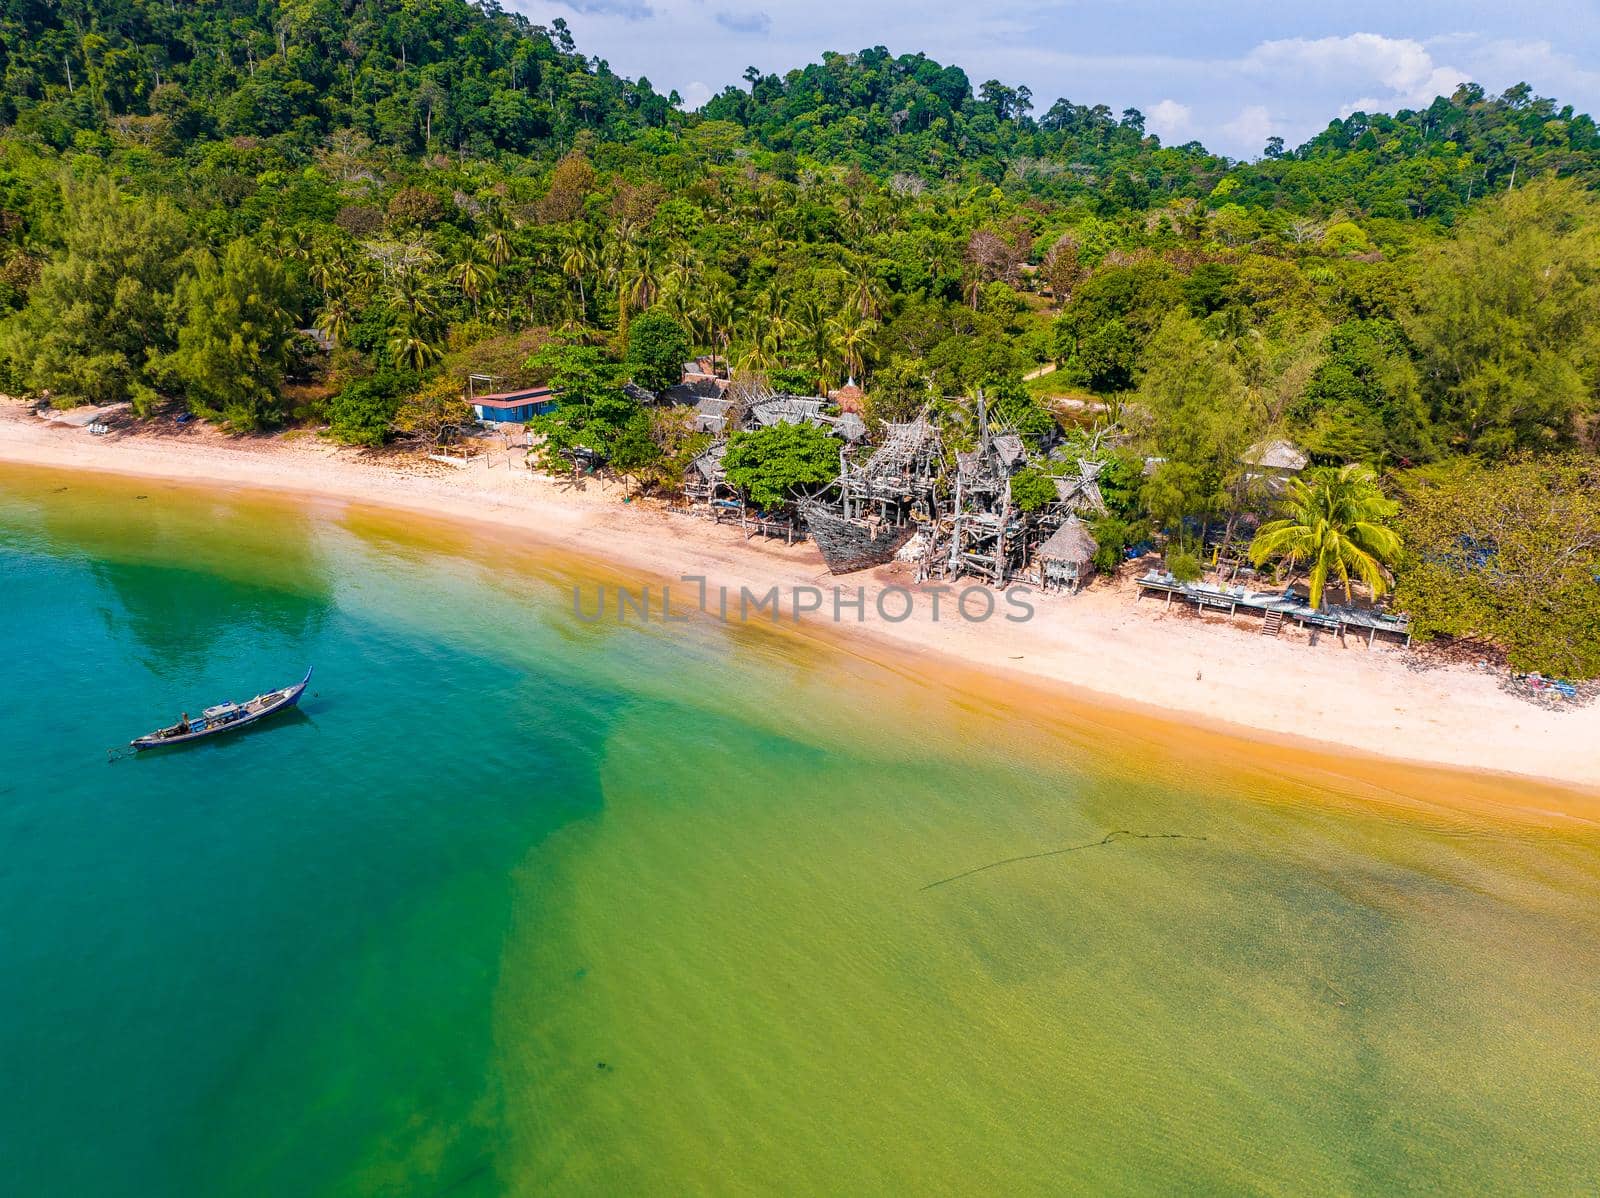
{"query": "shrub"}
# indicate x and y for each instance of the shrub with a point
(1184, 566)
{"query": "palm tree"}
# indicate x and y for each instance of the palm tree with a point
(868, 296)
(497, 237)
(335, 318)
(812, 325)
(972, 288)
(714, 314)
(578, 259)
(619, 255)
(642, 276)
(409, 345)
(571, 313)
(1333, 525)
(498, 309)
(683, 267)
(852, 334)
(412, 294)
(324, 271)
(769, 315)
(472, 275)
(958, 414)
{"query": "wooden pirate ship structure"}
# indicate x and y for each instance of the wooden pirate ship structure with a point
(884, 498)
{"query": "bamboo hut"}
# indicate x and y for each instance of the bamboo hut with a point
(1066, 559)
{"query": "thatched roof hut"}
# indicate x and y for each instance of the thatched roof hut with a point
(850, 398)
(705, 477)
(712, 416)
(1067, 559)
(1277, 456)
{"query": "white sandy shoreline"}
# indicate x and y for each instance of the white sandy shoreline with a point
(1099, 642)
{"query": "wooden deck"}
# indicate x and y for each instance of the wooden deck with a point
(1275, 609)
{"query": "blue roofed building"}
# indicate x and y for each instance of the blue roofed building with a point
(513, 407)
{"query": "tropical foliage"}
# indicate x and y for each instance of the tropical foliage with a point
(1333, 528)
(1508, 553)
(776, 464)
(441, 188)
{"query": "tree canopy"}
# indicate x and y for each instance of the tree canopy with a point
(1335, 527)
(233, 343)
(657, 349)
(776, 464)
(1507, 553)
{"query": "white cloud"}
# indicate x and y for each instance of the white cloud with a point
(1201, 68)
(1172, 122)
(628, 10)
(1401, 66)
(1505, 60)
(695, 94)
(1251, 127)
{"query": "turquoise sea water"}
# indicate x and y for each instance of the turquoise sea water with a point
(523, 905)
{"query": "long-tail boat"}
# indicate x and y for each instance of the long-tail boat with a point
(224, 717)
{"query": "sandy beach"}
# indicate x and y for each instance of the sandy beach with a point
(1102, 643)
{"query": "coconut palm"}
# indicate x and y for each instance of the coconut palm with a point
(409, 345)
(852, 335)
(335, 318)
(570, 311)
(325, 272)
(642, 276)
(412, 294)
(813, 330)
(867, 295)
(472, 275)
(497, 236)
(769, 313)
(619, 253)
(714, 315)
(498, 308)
(683, 267)
(679, 304)
(578, 258)
(1333, 526)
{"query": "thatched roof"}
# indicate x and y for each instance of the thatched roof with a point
(710, 416)
(1009, 448)
(850, 426)
(1069, 543)
(694, 391)
(993, 462)
(1275, 455)
(850, 398)
(709, 463)
(789, 409)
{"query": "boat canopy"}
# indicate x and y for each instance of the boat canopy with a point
(221, 711)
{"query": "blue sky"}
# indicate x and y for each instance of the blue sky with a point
(1230, 73)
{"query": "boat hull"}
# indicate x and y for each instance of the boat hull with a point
(275, 702)
(849, 545)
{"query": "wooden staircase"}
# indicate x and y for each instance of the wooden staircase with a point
(1272, 623)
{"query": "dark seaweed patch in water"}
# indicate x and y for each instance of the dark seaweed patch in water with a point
(1108, 838)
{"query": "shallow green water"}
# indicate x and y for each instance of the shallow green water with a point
(387, 946)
